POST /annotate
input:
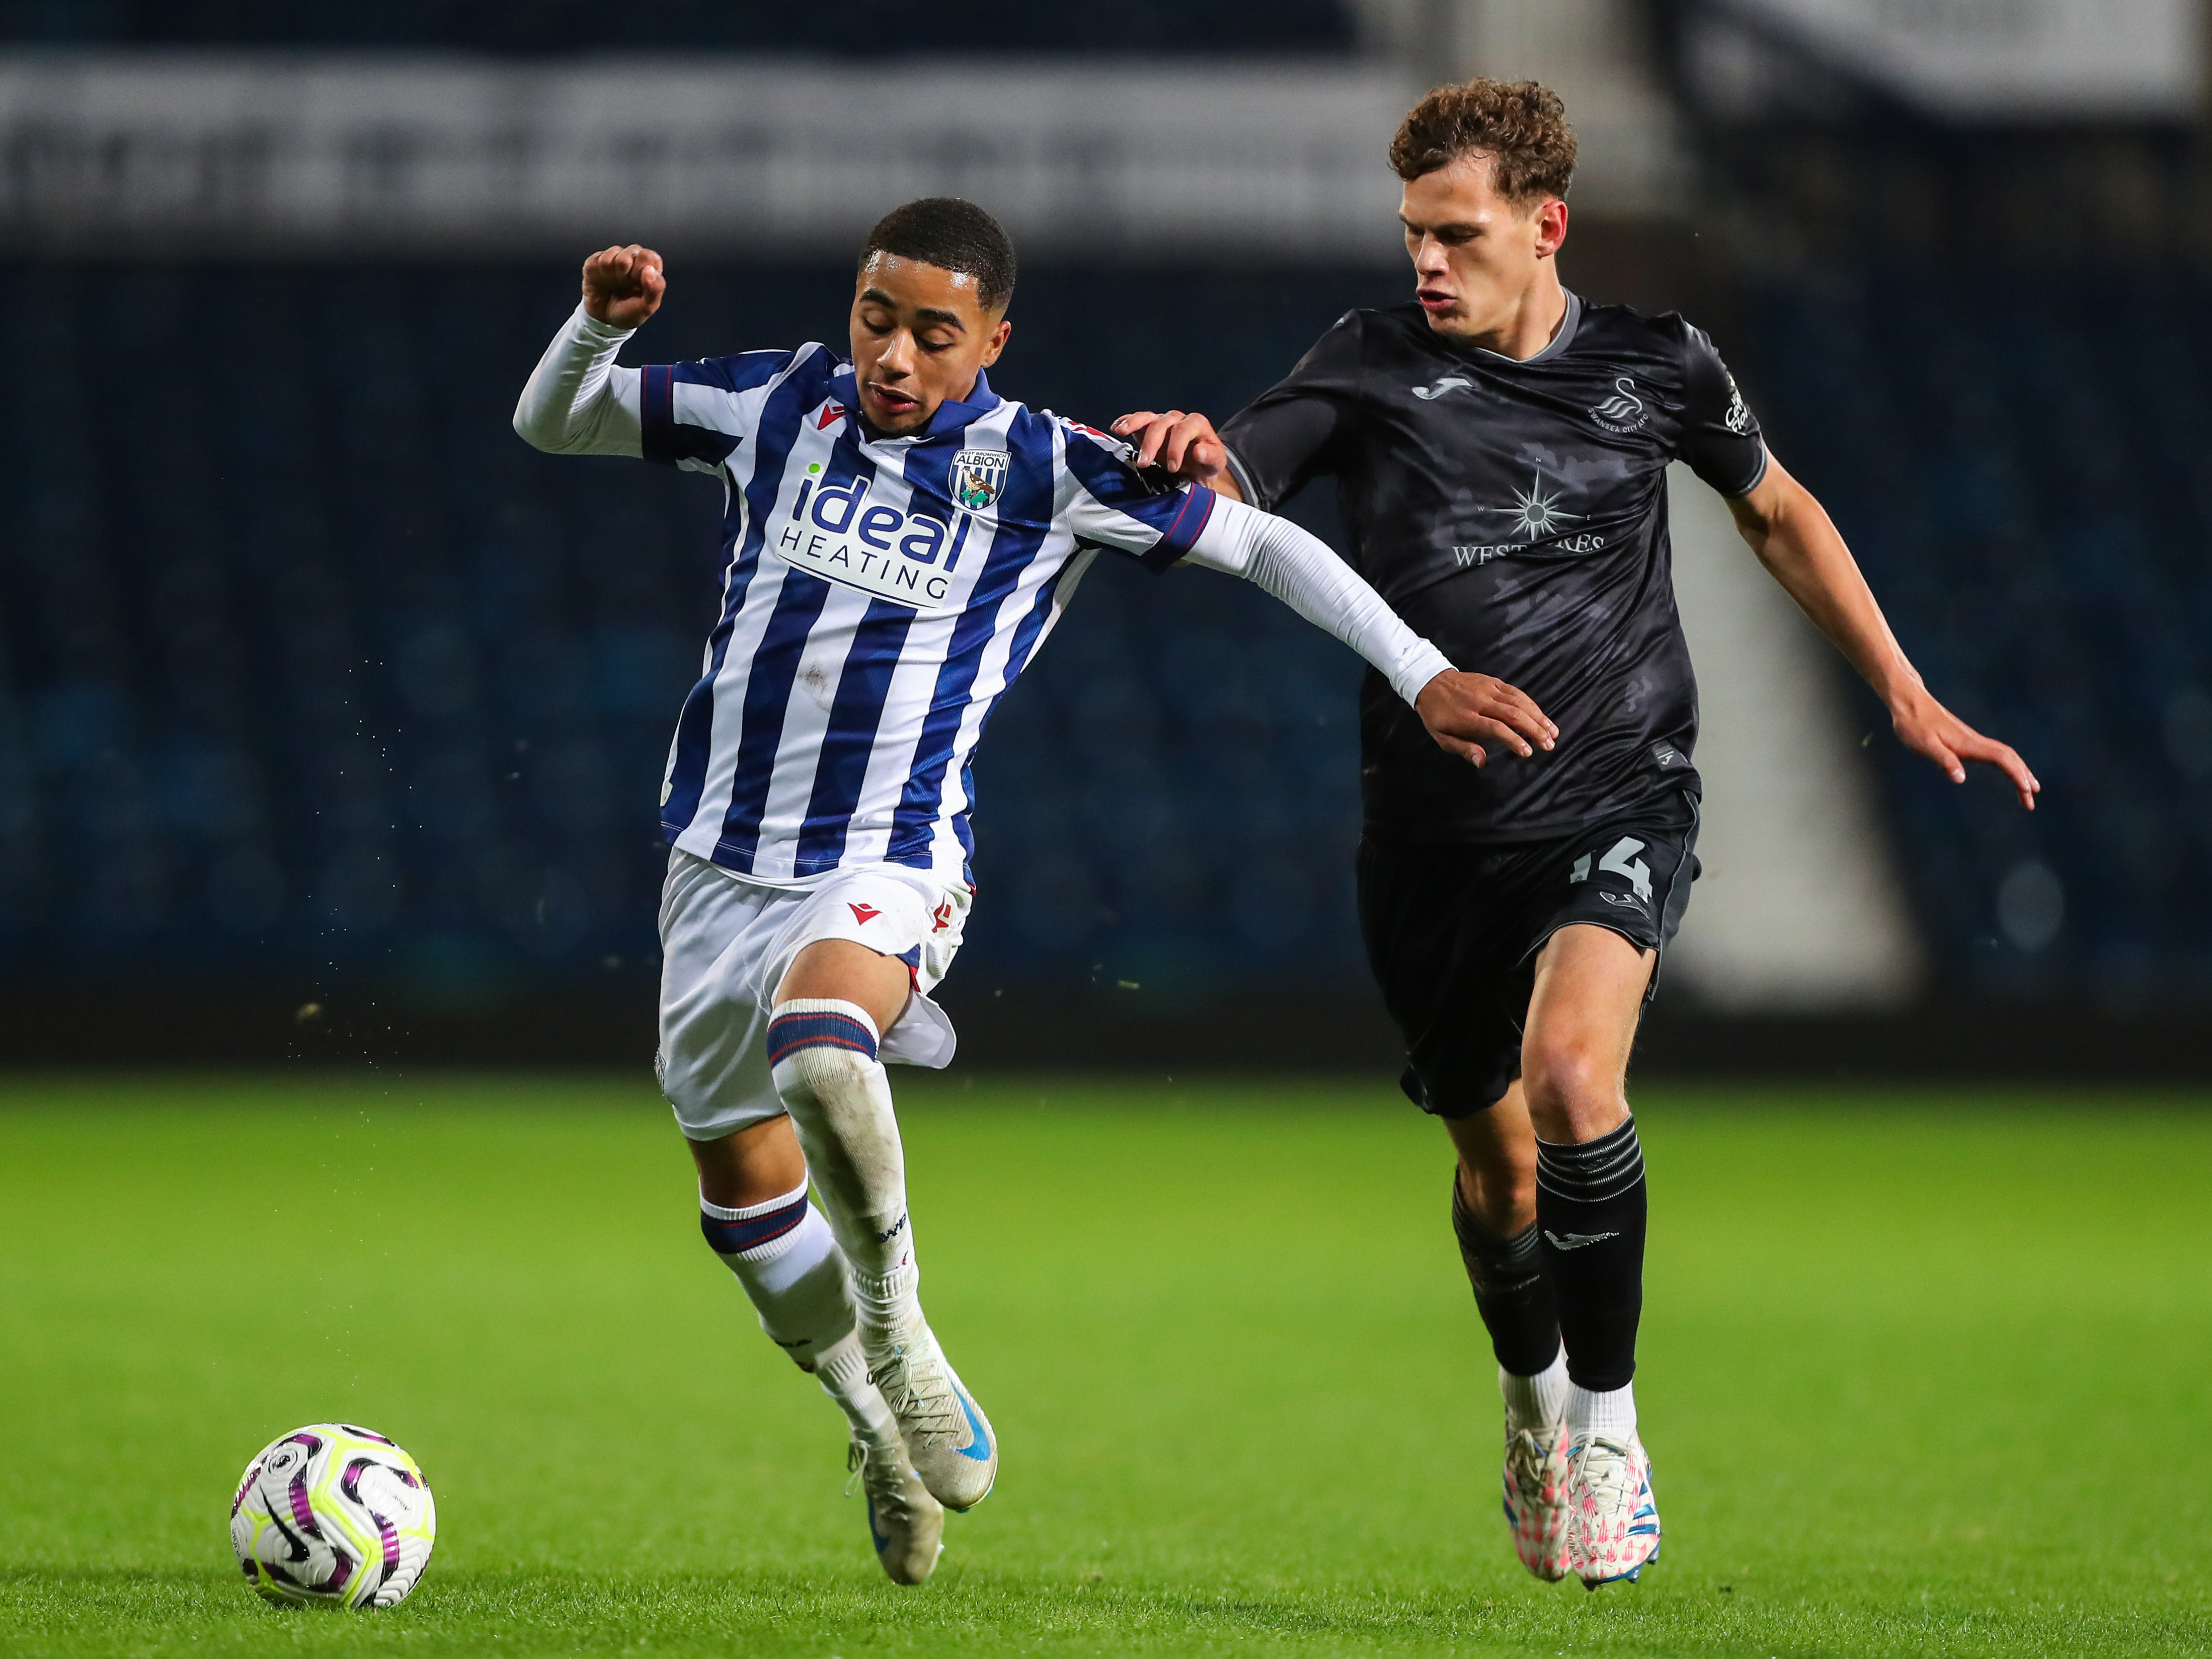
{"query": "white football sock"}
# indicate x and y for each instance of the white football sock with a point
(1538, 1401)
(843, 1370)
(1611, 1412)
(826, 1075)
(795, 1275)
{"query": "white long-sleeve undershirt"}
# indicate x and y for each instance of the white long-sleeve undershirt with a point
(578, 402)
(1304, 572)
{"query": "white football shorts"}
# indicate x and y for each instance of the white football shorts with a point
(726, 942)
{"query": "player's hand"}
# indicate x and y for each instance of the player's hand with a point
(623, 286)
(1463, 711)
(1926, 726)
(1186, 444)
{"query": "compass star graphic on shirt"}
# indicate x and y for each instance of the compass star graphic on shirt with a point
(1537, 510)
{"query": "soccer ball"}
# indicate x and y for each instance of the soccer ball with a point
(333, 1515)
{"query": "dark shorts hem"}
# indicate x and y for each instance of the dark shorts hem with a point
(1453, 933)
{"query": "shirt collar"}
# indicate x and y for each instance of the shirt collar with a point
(1559, 343)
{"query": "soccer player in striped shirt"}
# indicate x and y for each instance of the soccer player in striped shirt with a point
(899, 540)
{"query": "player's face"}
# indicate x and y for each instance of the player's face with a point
(1476, 254)
(920, 336)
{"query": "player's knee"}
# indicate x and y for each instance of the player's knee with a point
(1569, 1089)
(816, 1043)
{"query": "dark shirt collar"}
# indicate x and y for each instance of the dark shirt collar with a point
(1558, 343)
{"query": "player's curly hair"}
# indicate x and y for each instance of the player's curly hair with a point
(1523, 126)
(953, 235)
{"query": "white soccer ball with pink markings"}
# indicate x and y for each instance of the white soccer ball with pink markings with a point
(333, 1515)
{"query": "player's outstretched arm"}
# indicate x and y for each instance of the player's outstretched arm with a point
(577, 402)
(1800, 546)
(1462, 712)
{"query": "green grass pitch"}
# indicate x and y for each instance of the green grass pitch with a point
(1923, 1373)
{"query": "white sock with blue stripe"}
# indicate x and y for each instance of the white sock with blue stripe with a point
(822, 1055)
(785, 1257)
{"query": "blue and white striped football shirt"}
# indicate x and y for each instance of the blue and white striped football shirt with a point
(879, 596)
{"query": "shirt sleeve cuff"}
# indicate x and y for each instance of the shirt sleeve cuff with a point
(600, 334)
(1758, 473)
(1421, 665)
(1183, 529)
(1245, 486)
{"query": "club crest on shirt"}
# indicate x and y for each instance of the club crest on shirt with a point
(978, 477)
(1622, 412)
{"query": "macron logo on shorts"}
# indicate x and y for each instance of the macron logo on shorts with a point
(863, 913)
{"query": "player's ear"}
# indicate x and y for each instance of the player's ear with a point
(996, 341)
(1551, 227)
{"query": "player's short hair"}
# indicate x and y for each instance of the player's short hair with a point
(953, 235)
(1520, 126)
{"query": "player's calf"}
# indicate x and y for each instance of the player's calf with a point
(784, 1255)
(1591, 1206)
(823, 1055)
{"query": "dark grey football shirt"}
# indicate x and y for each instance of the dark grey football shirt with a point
(1515, 513)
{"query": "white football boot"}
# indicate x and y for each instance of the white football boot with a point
(947, 1434)
(1536, 1499)
(1613, 1522)
(905, 1523)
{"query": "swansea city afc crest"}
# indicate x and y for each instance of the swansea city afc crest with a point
(978, 475)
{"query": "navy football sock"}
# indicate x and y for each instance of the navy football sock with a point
(1590, 1206)
(1511, 1290)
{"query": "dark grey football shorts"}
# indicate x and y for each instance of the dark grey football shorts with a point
(1453, 933)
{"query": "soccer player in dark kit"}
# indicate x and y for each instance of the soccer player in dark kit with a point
(1501, 446)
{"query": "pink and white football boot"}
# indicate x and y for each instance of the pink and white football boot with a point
(1613, 1522)
(1536, 1499)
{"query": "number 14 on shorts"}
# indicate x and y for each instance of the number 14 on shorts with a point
(1620, 860)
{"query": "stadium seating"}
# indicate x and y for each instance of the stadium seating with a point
(308, 664)
(2018, 460)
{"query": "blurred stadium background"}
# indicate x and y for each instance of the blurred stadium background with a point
(331, 717)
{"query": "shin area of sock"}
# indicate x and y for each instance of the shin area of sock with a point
(792, 1272)
(1511, 1292)
(823, 1057)
(1591, 1205)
